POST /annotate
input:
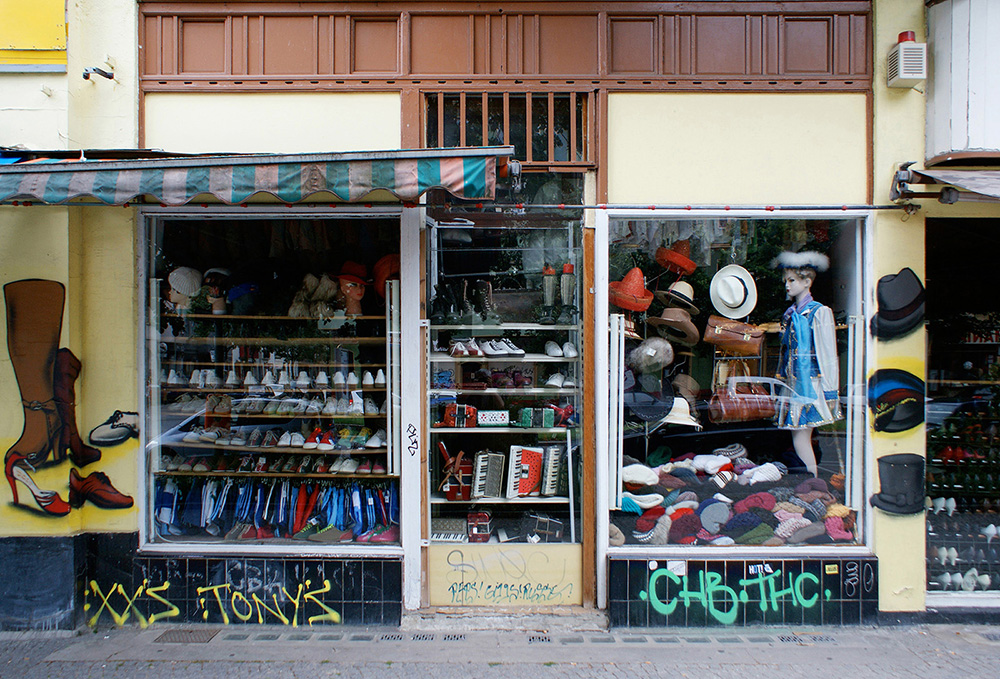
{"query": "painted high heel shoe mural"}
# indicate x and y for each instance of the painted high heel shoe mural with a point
(46, 378)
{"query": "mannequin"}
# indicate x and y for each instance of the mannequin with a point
(352, 286)
(808, 361)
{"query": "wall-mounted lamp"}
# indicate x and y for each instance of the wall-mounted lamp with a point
(87, 72)
(907, 62)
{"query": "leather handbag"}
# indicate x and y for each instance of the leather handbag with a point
(742, 403)
(734, 337)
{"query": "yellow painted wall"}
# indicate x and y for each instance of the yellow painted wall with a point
(33, 110)
(272, 123)
(737, 148)
(898, 242)
(32, 32)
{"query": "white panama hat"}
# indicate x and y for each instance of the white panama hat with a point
(733, 292)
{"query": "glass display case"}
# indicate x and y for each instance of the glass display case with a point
(272, 375)
(504, 373)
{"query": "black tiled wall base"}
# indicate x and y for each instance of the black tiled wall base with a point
(698, 593)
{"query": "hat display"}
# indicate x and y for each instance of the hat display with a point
(679, 295)
(385, 268)
(649, 407)
(675, 259)
(896, 399)
(680, 413)
(354, 272)
(901, 483)
(675, 325)
(733, 291)
(630, 292)
(185, 280)
(900, 305)
(687, 386)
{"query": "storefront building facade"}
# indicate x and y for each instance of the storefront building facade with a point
(355, 380)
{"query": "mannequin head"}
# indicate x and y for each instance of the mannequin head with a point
(798, 282)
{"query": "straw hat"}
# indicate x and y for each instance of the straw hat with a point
(679, 295)
(680, 413)
(675, 259)
(733, 292)
(630, 292)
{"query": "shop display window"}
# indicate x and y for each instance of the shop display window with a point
(734, 347)
(272, 381)
(505, 378)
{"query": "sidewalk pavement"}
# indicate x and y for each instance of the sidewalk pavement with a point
(166, 651)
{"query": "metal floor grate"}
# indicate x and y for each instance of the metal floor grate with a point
(422, 637)
(361, 637)
(454, 637)
(991, 636)
(392, 637)
(803, 639)
(634, 639)
(539, 639)
(186, 636)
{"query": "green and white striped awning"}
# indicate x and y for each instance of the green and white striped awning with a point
(234, 179)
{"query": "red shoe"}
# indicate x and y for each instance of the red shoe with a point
(385, 534)
(48, 500)
(97, 488)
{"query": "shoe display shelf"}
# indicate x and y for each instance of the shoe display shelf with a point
(963, 497)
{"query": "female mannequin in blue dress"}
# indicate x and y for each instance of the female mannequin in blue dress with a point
(808, 362)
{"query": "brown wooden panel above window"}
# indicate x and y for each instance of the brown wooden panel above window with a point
(810, 43)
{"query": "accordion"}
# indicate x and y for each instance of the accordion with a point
(487, 478)
(552, 465)
(524, 471)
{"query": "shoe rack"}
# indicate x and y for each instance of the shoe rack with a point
(963, 497)
(267, 401)
(514, 356)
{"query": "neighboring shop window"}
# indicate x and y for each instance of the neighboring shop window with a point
(546, 129)
(271, 380)
(730, 418)
(963, 404)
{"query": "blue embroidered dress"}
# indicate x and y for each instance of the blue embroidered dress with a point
(809, 365)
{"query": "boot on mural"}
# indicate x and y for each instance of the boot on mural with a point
(67, 369)
(34, 322)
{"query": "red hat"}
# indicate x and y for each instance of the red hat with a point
(354, 272)
(384, 269)
(630, 292)
(676, 258)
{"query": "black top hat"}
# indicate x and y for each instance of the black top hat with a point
(900, 305)
(896, 399)
(901, 479)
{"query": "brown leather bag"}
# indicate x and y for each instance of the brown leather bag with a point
(746, 403)
(734, 337)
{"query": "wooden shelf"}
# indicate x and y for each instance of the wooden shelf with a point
(275, 450)
(289, 391)
(437, 499)
(264, 365)
(235, 317)
(443, 357)
(500, 430)
(511, 391)
(271, 341)
(276, 475)
(508, 326)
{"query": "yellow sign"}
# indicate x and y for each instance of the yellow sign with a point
(32, 32)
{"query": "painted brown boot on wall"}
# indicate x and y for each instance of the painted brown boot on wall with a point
(67, 369)
(34, 322)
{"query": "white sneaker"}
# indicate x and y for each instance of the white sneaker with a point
(370, 407)
(286, 440)
(231, 379)
(298, 440)
(511, 348)
(385, 403)
(377, 440)
(380, 378)
(342, 405)
(349, 466)
(352, 379)
(552, 349)
(356, 407)
(268, 378)
(249, 380)
(173, 378)
(284, 380)
(314, 407)
(196, 380)
(367, 380)
(494, 348)
(557, 380)
(303, 381)
(330, 407)
(322, 381)
(338, 379)
(568, 383)
(237, 439)
(211, 380)
(569, 350)
(473, 348)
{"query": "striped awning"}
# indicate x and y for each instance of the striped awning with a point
(234, 179)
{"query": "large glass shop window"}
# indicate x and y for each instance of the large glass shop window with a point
(734, 346)
(271, 377)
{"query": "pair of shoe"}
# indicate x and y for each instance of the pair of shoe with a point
(346, 465)
(560, 381)
(380, 534)
(501, 347)
(291, 439)
(461, 348)
(567, 350)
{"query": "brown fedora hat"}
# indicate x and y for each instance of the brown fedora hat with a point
(675, 324)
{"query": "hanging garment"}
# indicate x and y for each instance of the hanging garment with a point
(809, 365)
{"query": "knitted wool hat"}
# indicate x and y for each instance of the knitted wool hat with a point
(687, 496)
(639, 474)
(780, 467)
(774, 541)
(820, 495)
(810, 484)
(661, 531)
(742, 464)
(684, 529)
(756, 536)
(713, 515)
(787, 528)
(764, 516)
(629, 505)
(643, 501)
(650, 490)
(781, 493)
(682, 508)
(740, 524)
(723, 477)
(732, 451)
(648, 518)
(684, 473)
(671, 497)
(835, 529)
(723, 540)
(710, 464)
(765, 473)
(615, 536)
(806, 532)
(816, 511)
(789, 507)
(671, 481)
(763, 499)
(643, 537)
(838, 481)
(784, 515)
(185, 280)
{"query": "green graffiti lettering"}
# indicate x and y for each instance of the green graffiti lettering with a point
(665, 608)
(214, 589)
(232, 604)
(761, 583)
(276, 611)
(330, 615)
(713, 587)
(295, 600)
(698, 594)
(774, 594)
(811, 601)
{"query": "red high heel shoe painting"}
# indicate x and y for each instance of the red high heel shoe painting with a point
(48, 500)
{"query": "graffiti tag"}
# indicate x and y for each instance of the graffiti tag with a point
(414, 444)
(509, 578)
